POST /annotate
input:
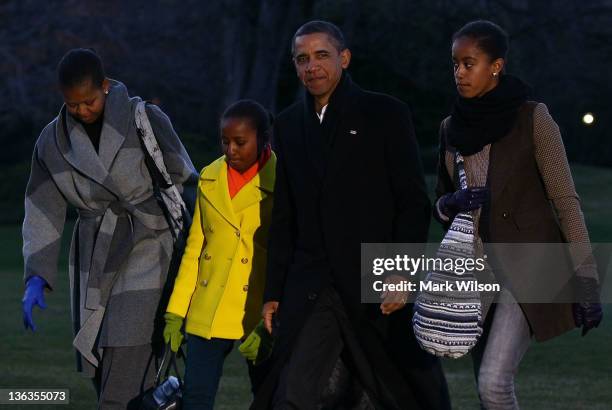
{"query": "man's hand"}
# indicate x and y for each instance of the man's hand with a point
(393, 301)
(267, 313)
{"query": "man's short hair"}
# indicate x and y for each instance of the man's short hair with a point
(319, 26)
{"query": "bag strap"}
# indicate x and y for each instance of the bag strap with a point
(168, 361)
(461, 170)
(143, 124)
(175, 209)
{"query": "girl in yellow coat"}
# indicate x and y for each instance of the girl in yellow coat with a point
(219, 287)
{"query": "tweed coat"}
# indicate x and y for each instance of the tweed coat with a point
(121, 245)
(219, 287)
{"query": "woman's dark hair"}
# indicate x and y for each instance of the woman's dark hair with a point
(79, 65)
(319, 26)
(260, 119)
(491, 38)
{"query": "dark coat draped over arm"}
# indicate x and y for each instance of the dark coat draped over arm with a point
(281, 244)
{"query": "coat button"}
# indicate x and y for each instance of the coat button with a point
(312, 296)
(207, 256)
(204, 283)
(505, 215)
(244, 260)
(245, 288)
(238, 234)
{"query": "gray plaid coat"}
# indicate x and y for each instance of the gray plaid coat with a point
(121, 245)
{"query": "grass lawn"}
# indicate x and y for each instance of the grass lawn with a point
(567, 373)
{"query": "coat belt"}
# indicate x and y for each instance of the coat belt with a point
(114, 239)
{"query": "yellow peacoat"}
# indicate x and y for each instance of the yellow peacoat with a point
(220, 281)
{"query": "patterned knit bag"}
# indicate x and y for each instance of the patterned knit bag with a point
(448, 323)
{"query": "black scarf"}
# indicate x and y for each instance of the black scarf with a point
(320, 135)
(94, 130)
(476, 122)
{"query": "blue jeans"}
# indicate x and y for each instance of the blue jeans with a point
(203, 370)
(497, 358)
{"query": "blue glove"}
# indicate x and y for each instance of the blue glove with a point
(33, 295)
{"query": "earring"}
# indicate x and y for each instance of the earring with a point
(106, 92)
(494, 74)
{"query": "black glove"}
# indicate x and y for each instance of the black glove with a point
(463, 200)
(587, 311)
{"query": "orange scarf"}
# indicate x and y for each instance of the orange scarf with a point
(237, 180)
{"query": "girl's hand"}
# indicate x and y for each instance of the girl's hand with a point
(258, 345)
(464, 200)
(173, 334)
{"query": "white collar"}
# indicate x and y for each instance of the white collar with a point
(322, 113)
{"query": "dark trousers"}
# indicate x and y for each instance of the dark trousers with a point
(316, 374)
(338, 364)
(204, 368)
(123, 374)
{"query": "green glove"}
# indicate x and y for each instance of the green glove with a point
(258, 345)
(172, 331)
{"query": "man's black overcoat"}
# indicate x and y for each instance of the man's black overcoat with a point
(355, 178)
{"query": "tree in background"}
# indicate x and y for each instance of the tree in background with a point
(194, 58)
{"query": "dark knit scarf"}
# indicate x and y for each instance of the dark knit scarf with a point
(320, 135)
(476, 122)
